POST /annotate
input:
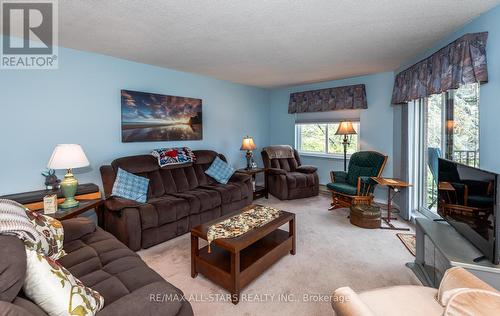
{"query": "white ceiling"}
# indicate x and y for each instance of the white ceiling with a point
(264, 43)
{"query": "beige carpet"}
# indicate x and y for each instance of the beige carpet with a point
(330, 253)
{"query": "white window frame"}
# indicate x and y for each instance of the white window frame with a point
(324, 154)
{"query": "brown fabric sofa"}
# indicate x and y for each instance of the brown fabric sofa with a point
(287, 178)
(100, 261)
(179, 197)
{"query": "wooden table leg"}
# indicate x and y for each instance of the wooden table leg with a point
(291, 233)
(235, 273)
(195, 251)
(266, 190)
(388, 219)
(389, 204)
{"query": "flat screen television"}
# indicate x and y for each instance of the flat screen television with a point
(468, 200)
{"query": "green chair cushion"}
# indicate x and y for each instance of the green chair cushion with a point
(364, 163)
(342, 188)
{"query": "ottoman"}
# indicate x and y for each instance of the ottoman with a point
(365, 216)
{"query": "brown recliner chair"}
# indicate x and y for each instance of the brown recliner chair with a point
(286, 177)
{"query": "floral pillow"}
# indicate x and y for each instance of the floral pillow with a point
(56, 290)
(52, 233)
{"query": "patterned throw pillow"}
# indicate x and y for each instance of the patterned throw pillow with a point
(220, 171)
(52, 235)
(56, 290)
(129, 186)
(173, 156)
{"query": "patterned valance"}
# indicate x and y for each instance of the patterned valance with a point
(340, 98)
(460, 62)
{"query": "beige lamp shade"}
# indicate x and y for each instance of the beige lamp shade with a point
(68, 156)
(248, 144)
(345, 128)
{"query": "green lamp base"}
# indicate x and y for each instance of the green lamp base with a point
(68, 187)
(69, 203)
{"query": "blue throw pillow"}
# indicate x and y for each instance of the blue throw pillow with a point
(220, 171)
(129, 186)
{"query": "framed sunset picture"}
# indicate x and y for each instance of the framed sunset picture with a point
(156, 117)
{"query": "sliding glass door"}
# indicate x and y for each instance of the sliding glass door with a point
(447, 126)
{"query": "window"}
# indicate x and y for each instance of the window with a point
(320, 139)
(448, 128)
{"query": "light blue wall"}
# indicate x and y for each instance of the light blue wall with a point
(489, 108)
(80, 103)
(376, 121)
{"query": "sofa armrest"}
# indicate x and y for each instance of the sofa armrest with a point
(116, 204)
(459, 278)
(338, 176)
(346, 302)
(275, 171)
(239, 177)
(306, 169)
(472, 302)
(76, 228)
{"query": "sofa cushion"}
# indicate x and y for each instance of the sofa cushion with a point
(287, 164)
(342, 188)
(163, 210)
(157, 298)
(106, 265)
(300, 180)
(28, 306)
(413, 300)
(12, 267)
(200, 199)
(231, 192)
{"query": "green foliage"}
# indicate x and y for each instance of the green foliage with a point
(313, 138)
(465, 128)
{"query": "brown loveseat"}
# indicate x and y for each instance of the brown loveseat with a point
(287, 178)
(179, 197)
(100, 261)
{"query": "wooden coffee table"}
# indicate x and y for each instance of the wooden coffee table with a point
(235, 262)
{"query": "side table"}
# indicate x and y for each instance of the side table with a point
(88, 194)
(392, 185)
(259, 191)
(85, 205)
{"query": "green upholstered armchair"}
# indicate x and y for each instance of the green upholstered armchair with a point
(356, 186)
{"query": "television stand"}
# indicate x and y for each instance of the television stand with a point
(440, 247)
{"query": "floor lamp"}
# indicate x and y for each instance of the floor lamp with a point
(345, 128)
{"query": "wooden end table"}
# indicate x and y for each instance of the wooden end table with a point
(234, 262)
(85, 205)
(88, 194)
(392, 185)
(259, 191)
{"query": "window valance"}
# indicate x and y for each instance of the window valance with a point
(331, 99)
(460, 62)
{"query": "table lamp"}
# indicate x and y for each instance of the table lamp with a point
(68, 156)
(345, 128)
(248, 145)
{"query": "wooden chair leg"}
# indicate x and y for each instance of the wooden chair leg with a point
(335, 203)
